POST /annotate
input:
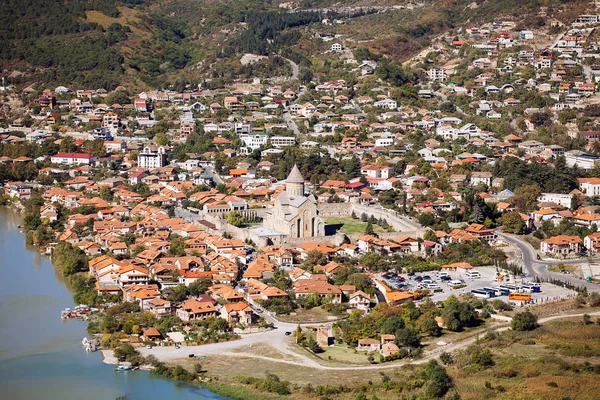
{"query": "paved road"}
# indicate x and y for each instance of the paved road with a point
(291, 124)
(295, 69)
(535, 267)
(587, 71)
(216, 178)
(399, 222)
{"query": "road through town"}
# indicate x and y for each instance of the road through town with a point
(539, 269)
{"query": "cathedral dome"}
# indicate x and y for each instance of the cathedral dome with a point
(295, 176)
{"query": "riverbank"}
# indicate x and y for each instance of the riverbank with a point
(41, 355)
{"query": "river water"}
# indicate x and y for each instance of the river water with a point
(41, 356)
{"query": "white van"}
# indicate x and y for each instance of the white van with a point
(443, 273)
(455, 282)
(473, 274)
(433, 286)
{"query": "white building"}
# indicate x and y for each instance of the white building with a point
(582, 160)
(254, 141)
(588, 19)
(384, 142)
(437, 74)
(564, 200)
(282, 141)
(337, 47)
(73, 159)
(151, 159)
(386, 103)
(590, 186)
(526, 35)
(111, 121)
(242, 129)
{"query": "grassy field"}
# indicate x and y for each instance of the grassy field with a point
(228, 367)
(548, 363)
(535, 242)
(572, 268)
(352, 226)
(316, 314)
(543, 364)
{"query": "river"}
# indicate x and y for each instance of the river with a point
(41, 356)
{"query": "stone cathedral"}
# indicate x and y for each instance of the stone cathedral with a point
(293, 213)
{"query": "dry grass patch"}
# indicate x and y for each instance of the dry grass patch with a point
(228, 367)
(316, 314)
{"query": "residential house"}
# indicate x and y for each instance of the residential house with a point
(561, 245)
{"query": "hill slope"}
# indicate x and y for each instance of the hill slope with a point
(149, 43)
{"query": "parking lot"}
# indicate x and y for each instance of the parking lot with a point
(486, 280)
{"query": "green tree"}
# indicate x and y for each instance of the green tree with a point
(67, 145)
(430, 327)
(408, 337)
(513, 223)
(235, 218)
(177, 247)
(438, 381)
(106, 193)
(369, 229)
(199, 287)
(161, 139)
(313, 346)
(314, 257)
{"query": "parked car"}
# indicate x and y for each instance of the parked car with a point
(417, 278)
(288, 333)
(148, 346)
(446, 278)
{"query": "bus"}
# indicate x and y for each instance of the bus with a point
(483, 294)
(496, 291)
(531, 288)
(502, 291)
(519, 296)
(511, 288)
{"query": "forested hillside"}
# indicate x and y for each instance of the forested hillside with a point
(150, 43)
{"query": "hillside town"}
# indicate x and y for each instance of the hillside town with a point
(205, 214)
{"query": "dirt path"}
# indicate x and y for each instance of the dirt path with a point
(270, 338)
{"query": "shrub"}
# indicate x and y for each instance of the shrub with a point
(481, 358)
(524, 321)
(552, 384)
(499, 305)
(506, 372)
(446, 358)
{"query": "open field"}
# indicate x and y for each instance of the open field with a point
(552, 362)
(228, 367)
(316, 314)
(543, 364)
(341, 356)
(352, 226)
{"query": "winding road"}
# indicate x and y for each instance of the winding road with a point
(295, 69)
(538, 268)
